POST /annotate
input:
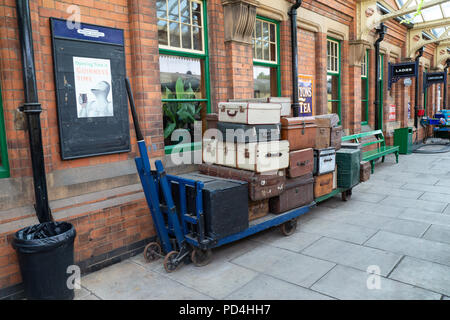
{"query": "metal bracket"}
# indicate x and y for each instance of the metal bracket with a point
(31, 107)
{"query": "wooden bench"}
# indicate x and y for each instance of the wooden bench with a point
(380, 152)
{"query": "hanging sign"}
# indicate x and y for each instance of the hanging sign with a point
(401, 70)
(432, 78)
(89, 65)
(305, 95)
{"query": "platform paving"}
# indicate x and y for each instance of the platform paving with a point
(390, 241)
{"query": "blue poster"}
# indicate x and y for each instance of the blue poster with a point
(305, 95)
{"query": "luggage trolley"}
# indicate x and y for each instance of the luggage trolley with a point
(182, 236)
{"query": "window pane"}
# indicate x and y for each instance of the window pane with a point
(162, 32)
(186, 36)
(272, 33)
(332, 87)
(196, 18)
(266, 55)
(258, 29)
(273, 52)
(185, 13)
(265, 31)
(161, 9)
(259, 50)
(173, 10)
(174, 34)
(181, 78)
(261, 77)
(363, 88)
(197, 33)
(333, 107)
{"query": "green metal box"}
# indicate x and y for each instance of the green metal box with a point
(403, 137)
(348, 167)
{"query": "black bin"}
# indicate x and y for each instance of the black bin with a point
(45, 252)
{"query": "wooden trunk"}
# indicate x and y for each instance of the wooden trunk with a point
(323, 185)
(298, 192)
(301, 162)
(299, 131)
(364, 171)
(323, 136)
(336, 137)
(258, 209)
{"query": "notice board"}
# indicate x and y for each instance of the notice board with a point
(89, 65)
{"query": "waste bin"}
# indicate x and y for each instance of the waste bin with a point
(45, 252)
(403, 137)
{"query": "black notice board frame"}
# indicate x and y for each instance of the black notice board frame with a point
(430, 78)
(98, 135)
(396, 71)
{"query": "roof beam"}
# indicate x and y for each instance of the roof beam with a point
(412, 9)
(432, 24)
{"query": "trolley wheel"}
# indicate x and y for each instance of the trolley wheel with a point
(346, 195)
(170, 263)
(152, 251)
(201, 257)
(289, 227)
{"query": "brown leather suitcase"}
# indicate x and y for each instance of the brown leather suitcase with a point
(327, 120)
(298, 192)
(301, 162)
(364, 173)
(258, 209)
(300, 131)
(323, 185)
(323, 136)
(336, 137)
(260, 186)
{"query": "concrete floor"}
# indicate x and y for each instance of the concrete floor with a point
(396, 225)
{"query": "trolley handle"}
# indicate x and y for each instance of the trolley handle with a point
(137, 128)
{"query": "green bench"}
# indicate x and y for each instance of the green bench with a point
(380, 152)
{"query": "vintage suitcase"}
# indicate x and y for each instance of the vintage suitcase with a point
(285, 105)
(348, 163)
(249, 113)
(299, 131)
(364, 172)
(226, 154)
(210, 150)
(335, 178)
(211, 120)
(298, 192)
(301, 162)
(324, 161)
(323, 185)
(263, 156)
(323, 136)
(336, 137)
(327, 120)
(225, 204)
(258, 209)
(352, 145)
(243, 133)
(260, 186)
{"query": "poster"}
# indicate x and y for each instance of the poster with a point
(305, 95)
(93, 87)
(392, 115)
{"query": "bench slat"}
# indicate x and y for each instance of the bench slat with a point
(362, 135)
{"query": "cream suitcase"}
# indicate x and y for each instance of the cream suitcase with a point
(250, 113)
(210, 151)
(263, 156)
(285, 103)
(226, 154)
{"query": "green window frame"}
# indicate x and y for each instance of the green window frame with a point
(202, 55)
(365, 65)
(267, 63)
(334, 69)
(4, 162)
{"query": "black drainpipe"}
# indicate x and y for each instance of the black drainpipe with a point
(416, 99)
(294, 45)
(444, 103)
(381, 31)
(32, 109)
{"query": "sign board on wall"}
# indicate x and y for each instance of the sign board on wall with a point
(401, 70)
(392, 115)
(305, 95)
(89, 64)
(432, 78)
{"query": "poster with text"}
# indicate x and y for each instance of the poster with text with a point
(93, 87)
(305, 95)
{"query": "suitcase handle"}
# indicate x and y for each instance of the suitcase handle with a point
(231, 114)
(301, 164)
(276, 154)
(325, 183)
(327, 160)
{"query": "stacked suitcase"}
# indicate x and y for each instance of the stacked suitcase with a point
(348, 163)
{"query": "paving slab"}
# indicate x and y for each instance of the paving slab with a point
(433, 206)
(359, 219)
(129, 281)
(443, 183)
(264, 287)
(367, 197)
(405, 227)
(434, 196)
(423, 188)
(285, 265)
(351, 284)
(389, 191)
(352, 255)
(447, 210)
(338, 230)
(414, 247)
(424, 274)
(296, 242)
(427, 217)
(438, 233)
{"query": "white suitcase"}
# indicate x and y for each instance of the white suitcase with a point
(263, 156)
(250, 113)
(325, 161)
(285, 103)
(210, 151)
(226, 154)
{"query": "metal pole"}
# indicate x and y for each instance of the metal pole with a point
(444, 103)
(381, 31)
(416, 109)
(294, 46)
(32, 109)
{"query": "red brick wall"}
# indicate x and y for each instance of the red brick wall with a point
(307, 58)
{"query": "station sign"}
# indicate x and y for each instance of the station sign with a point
(430, 78)
(402, 70)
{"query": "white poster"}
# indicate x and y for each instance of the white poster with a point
(93, 87)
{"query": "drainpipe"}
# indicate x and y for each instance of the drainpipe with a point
(32, 109)
(294, 46)
(416, 109)
(381, 31)
(444, 104)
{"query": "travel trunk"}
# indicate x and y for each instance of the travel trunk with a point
(301, 162)
(226, 154)
(299, 131)
(336, 137)
(324, 161)
(327, 120)
(210, 150)
(249, 113)
(243, 133)
(263, 156)
(364, 172)
(298, 192)
(285, 104)
(211, 120)
(258, 209)
(348, 163)
(323, 185)
(260, 186)
(225, 204)
(323, 136)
